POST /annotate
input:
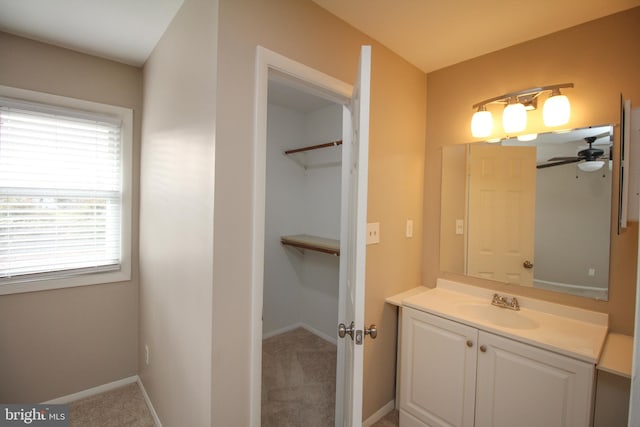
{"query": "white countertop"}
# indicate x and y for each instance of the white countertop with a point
(398, 298)
(617, 355)
(563, 329)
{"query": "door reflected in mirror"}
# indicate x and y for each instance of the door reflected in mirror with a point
(535, 213)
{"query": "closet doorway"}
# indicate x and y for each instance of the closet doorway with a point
(312, 257)
(301, 256)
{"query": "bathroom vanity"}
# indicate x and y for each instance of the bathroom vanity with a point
(465, 362)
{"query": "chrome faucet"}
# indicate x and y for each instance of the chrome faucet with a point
(505, 302)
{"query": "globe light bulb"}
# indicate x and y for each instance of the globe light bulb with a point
(514, 118)
(481, 123)
(556, 110)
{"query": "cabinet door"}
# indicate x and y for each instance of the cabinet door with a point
(438, 369)
(524, 386)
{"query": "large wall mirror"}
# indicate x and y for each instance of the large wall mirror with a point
(535, 213)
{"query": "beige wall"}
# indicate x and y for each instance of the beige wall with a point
(453, 208)
(58, 342)
(600, 58)
(306, 33)
(176, 217)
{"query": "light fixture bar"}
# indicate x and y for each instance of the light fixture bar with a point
(533, 91)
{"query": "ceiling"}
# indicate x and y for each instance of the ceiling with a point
(564, 144)
(122, 30)
(430, 34)
(433, 34)
(294, 98)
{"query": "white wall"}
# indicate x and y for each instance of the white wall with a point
(301, 288)
(61, 341)
(176, 217)
(572, 225)
(284, 215)
(319, 299)
(303, 31)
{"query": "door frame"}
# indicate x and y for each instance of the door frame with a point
(319, 84)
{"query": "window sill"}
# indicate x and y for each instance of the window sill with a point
(65, 282)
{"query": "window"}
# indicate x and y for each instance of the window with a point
(65, 199)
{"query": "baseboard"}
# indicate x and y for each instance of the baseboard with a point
(313, 330)
(332, 340)
(92, 391)
(379, 414)
(154, 414)
(281, 331)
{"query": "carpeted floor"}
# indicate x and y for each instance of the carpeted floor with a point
(299, 382)
(298, 390)
(392, 419)
(124, 406)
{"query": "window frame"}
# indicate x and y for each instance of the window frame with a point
(32, 284)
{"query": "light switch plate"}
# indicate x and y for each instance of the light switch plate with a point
(373, 233)
(409, 228)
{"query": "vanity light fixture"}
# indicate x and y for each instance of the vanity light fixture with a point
(556, 110)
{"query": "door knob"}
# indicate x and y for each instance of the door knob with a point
(372, 331)
(527, 264)
(343, 330)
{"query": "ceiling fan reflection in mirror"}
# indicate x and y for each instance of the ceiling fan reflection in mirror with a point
(589, 159)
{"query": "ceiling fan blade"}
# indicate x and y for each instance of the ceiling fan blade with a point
(566, 161)
(553, 159)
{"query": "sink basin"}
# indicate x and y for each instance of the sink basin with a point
(504, 317)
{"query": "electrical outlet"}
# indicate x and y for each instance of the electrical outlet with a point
(373, 233)
(146, 354)
(459, 227)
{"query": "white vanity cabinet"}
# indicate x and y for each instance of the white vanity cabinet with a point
(456, 375)
(438, 370)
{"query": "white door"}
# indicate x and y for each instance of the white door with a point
(355, 161)
(502, 183)
(634, 401)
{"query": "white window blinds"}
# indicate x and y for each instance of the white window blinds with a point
(60, 192)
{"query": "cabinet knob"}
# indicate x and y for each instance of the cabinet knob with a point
(483, 348)
(469, 343)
